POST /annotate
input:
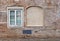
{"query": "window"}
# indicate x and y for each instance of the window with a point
(15, 16)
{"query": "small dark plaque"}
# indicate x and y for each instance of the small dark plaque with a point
(27, 32)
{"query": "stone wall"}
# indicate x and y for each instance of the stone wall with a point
(51, 19)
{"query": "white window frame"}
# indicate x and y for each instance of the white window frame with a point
(8, 17)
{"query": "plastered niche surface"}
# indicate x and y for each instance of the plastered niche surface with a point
(34, 16)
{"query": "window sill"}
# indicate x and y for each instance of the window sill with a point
(15, 27)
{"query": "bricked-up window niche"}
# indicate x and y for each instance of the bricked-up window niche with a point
(34, 16)
(3, 17)
(15, 16)
(16, 0)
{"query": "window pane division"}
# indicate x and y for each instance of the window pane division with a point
(12, 17)
(15, 16)
(18, 17)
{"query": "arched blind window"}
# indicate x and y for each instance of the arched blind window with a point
(34, 16)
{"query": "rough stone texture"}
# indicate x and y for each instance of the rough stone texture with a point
(31, 39)
(3, 17)
(51, 28)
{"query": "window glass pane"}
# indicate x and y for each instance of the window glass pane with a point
(18, 22)
(12, 22)
(12, 12)
(18, 17)
(12, 17)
